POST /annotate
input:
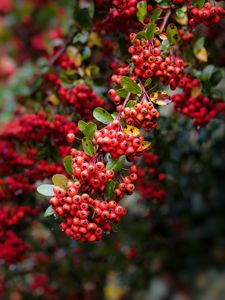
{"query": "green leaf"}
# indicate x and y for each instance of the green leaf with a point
(130, 85)
(109, 189)
(148, 82)
(156, 14)
(49, 211)
(199, 3)
(82, 17)
(114, 115)
(199, 44)
(122, 93)
(68, 164)
(141, 10)
(207, 72)
(102, 115)
(81, 37)
(89, 130)
(91, 9)
(82, 125)
(179, 13)
(172, 33)
(88, 146)
(117, 165)
(141, 34)
(60, 180)
(131, 103)
(163, 4)
(151, 31)
(46, 190)
(216, 77)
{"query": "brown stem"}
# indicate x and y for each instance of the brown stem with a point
(163, 25)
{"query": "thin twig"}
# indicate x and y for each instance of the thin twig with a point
(163, 25)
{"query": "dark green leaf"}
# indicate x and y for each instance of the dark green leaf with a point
(49, 211)
(46, 190)
(60, 180)
(88, 146)
(151, 31)
(216, 77)
(172, 33)
(102, 115)
(68, 164)
(141, 10)
(130, 85)
(117, 165)
(82, 17)
(199, 3)
(109, 190)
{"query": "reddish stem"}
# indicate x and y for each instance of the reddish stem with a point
(163, 25)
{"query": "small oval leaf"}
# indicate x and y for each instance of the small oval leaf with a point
(109, 189)
(49, 211)
(60, 180)
(88, 146)
(130, 85)
(116, 165)
(102, 115)
(89, 130)
(68, 164)
(46, 190)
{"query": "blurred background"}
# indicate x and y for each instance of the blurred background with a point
(171, 244)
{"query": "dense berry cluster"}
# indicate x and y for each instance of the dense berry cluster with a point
(83, 99)
(120, 15)
(126, 186)
(150, 179)
(92, 175)
(208, 14)
(85, 218)
(149, 62)
(142, 115)
(195, 105)
(113, 140)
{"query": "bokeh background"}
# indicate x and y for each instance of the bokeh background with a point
(171, 245)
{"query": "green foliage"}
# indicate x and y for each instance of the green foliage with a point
(101, 115)
(68, 164)
(88, 146)
(46, 190)
(141, 10)
(130, 85)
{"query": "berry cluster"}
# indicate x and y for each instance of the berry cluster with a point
(85, 219)
(142, 115)
(83, 99)
(207, 15)
(150, 178)
(92, 175)
(113, 140)
(149, 61)
(126, 186)
(195, 105)
(185, 36)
